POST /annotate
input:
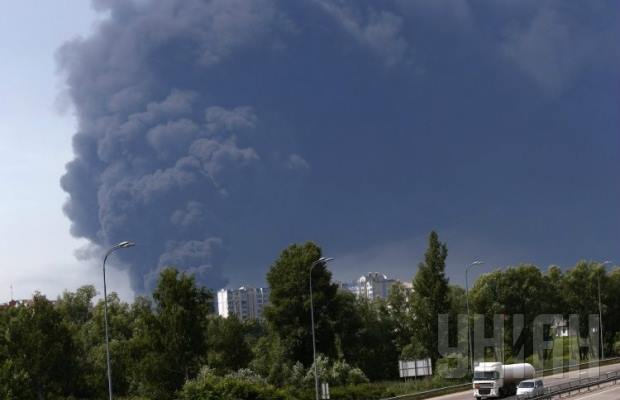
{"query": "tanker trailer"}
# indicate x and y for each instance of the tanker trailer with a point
(494, 379)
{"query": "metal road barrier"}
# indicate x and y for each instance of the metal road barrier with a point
(437, 392)
(568, 368)
(550, 391)
(556, 391)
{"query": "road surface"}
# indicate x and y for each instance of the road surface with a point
(550, 381)
(605, 393)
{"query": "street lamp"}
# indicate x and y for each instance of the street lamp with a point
(121, 245)
(600, 314)
(322, 260)
(469, 346)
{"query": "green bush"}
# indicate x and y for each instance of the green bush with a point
(365, 391)
(239, 386)
(14, 382)
(343, 373)
(616, 347)
(452, 366)
(355, 392)
(338, 373)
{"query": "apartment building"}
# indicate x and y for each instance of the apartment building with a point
(245, 302)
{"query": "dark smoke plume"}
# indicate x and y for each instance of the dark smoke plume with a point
(195, 125)
(216, 132)
(157, 158)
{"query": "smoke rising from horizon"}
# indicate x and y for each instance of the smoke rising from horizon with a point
(157, 158)
(214, 133)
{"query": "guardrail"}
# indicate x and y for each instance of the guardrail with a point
(556, 391)
(567, 368)
(450, 389)
(424, 394)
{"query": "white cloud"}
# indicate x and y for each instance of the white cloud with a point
(549, 48)
(297, 162)
(445, 11)
(229, 120)
(379, 31)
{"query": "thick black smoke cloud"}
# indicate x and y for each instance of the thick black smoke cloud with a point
(157, 158)
(216, 132)
(187, 141)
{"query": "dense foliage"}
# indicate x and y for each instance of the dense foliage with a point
(171, 345)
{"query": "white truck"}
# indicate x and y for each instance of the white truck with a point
(494, 379)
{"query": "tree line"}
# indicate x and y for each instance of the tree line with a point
(172, 345)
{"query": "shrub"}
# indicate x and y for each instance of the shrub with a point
(339, 373)
(452, 366)
(616, 347)
(242, 385)
(355, 392)
(247, 374)
(344, 374)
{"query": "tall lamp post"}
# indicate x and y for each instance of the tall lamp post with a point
(469, 347)
(322, 260)
(121, 245)
(600, 314)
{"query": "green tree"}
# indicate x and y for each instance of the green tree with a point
(289, 311)
(377, 350)
(91, 338)
(14, 383)
(523, 290)
(430, 298)
(76, 307)
(488, 298)
(554, 300)
(172, 341)
(76, 310)
(228, 348)
(41, 352)
(611, 310)
(580, 286)
(348, 323)
(458, 306)
(399, 309)
(270, 360)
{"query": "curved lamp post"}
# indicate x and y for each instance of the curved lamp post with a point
(469, 347)
(322, 260)
(121, 245)
(600, 314)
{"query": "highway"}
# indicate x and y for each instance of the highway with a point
(610, 392)
(553, 380)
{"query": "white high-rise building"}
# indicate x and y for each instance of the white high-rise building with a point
(245, 302)
(372, 286)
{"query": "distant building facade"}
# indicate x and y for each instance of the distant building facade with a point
(21, 303)
(245, 302)
(373, 285)
(561, 328)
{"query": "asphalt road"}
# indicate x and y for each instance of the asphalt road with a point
(604, 393)
(550, 381)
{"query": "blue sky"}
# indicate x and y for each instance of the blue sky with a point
(216, 133)
(36, 249)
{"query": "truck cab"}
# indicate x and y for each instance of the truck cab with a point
(494, 379)
(488, 380)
